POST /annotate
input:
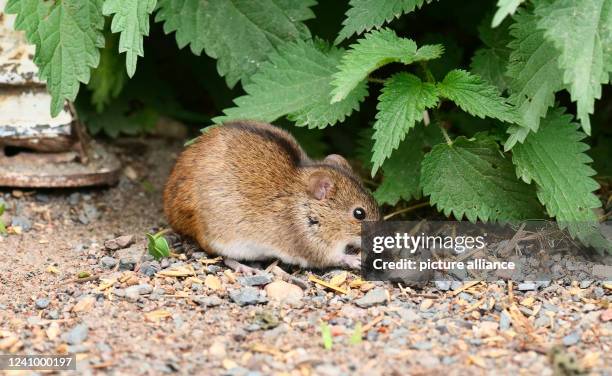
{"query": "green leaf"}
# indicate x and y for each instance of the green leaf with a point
(108, 79)
(363, 15)
(373, 51)
(472, 177)
(357, 335)
(158, 246)
(402, 171)
(491, 62)
(241, 34)
(476, 97)
(401, 104)
(131, 19)
(555, 159)
(119, 118)
(296, 82)
(2, 225)
(29, 15)
(505, 8)
(67, 35)
(534, 75)
(326, 336)
(582, 31)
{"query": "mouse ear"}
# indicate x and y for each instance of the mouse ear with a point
(338, 160)
(320, 185)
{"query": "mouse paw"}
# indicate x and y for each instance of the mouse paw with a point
(351, 261)
(240, 267)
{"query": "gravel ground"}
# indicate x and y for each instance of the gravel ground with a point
(189, 314)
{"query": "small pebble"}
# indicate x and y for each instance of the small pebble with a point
(527, 286)
(372, 298)
(443, 285)
(255, 280)
(108, 262)
(572, 338)
(42, 303)
(247, 296)
(23, 222)
(76, 335)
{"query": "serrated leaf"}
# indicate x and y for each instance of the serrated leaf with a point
(534, 75)
(363, 15)
(402, 171)
(119, 118)
(582, 31)
(108, 79)
(491, 62)
(401, 104)
(131, 19)
(555, 159)
(376, 49)
(67, 35)
(29, 14)
(473, 178)
(505, 8)
(296, 82)
(475, 96)
(240, 34)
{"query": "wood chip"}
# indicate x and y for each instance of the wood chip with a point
(179, 271)
(212, 282)
(338, 279)
(465, 287)
(155, 316)
(52, 269)
(208, 261)
(85, 304)
(371, 324)
(318, 281)
(53, 331)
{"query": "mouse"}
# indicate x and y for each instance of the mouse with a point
(247, 191)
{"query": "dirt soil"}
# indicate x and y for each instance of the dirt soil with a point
(189, 314)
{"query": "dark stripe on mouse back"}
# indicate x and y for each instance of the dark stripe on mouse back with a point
(268, 135)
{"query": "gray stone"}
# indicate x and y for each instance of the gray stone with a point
(76, 335)
(53, 314)
(408, 314)
(127, 263)
(422, 345)
(504, 321)
(88, 214)
(42, 303)
(247, 296)
(428, 360)
(22, 222)
(134, 292)
(41, 197)
(255, 280)
(541, 322)
(527, 286)
(585, 284)
(119, 243)
(443, 285)
(208, 301)
(74, 198)
(373, 297)
(108, 262)
(456, 285)
(150, 268)
(572, 338)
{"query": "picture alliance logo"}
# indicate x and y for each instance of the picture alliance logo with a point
(412, 243)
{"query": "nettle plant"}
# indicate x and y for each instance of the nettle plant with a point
(536, 167)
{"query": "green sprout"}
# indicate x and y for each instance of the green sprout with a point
(158, 245)
(2, 225)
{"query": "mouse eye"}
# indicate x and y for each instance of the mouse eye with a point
(359, 213)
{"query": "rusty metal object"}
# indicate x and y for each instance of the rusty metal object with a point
(37, 150)
(39, 170)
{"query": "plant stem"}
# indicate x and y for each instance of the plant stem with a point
(406, 210)
(428, 75)
(445, 134)
(376, 80)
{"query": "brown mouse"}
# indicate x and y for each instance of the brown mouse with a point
(247, 191)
